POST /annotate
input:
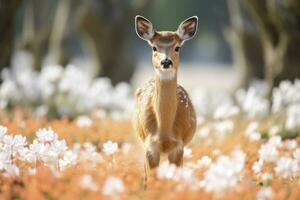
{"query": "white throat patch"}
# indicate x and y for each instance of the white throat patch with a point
(166, 74)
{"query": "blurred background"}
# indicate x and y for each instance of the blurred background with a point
(238, 42)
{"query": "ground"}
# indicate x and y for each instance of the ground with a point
(109, 164)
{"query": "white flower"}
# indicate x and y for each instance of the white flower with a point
(49, 79)
(45, 148)
(31, 170)
(252, 132)
(166, 170)
(169, 171)
(29, 156)
(253, 126)
(256, 167)
(216, 152)
(204, 131)
(3, 131)
(224, 173)
(254, 136)
(238, 157)
(110, 147)
(84, 121)
(87, 154)
(12, 170)
(266, 177)
(275, 141)
(41, 111)
(206, 102)
(52, 73)
(205, 161)
(37, 150)
(19, 142)
(187, 152)
(293, 117)
(253, 103)
(264, 193)
(277, 100)
(87, 182)
(4, 160)
(101, 114)
(69, 159)
(89, 147)
(296, 154)
(286, 167)
(285, 95)
(268, 152)
(14, 144)
(200, 120)
(226, 111)
(113, 186)
(8, 140)
(60, 146)
(183, 173)
(223, 127)
(274, 130)
(22, 84)
(46, 135)
(291, 144)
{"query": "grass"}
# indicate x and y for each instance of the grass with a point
(129, 166)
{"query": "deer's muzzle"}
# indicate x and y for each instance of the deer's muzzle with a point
(166, 63)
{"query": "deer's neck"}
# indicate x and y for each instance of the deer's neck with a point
(165, 102)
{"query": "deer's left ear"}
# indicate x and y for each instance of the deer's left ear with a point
(143, 28)
(188, 28)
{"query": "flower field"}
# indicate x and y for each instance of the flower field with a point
(150, 100)
(245, 147)
(104, 160)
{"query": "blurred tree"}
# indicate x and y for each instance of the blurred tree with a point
(36, 29)
(104, 31)
(245, 44)
(48, 30)
(278, 26)
(58, 53)
(105, 26)
(8, 9)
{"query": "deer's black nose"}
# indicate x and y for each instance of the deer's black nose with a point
(166, 63)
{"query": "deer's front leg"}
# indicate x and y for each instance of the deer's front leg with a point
(152, 154)
(176, 155)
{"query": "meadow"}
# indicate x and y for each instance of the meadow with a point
(245, 146)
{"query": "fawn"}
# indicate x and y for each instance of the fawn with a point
(164, 116)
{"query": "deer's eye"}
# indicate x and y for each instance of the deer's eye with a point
(177, 49)
(154, 49)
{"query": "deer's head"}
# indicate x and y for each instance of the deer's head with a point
(166, 44)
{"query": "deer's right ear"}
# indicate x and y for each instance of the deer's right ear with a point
(188, 28)
(143, 27)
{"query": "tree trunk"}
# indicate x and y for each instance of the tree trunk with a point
(246, 47)
(8, 9)
(106, 37)
(278, 28)
(36, 30)
(58, 53)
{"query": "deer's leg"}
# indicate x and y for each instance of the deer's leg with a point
(176, 155)
(152, 155)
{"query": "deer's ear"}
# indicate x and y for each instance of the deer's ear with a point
(188, 28)
(143, 27)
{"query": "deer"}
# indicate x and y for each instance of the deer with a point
(164, 117)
